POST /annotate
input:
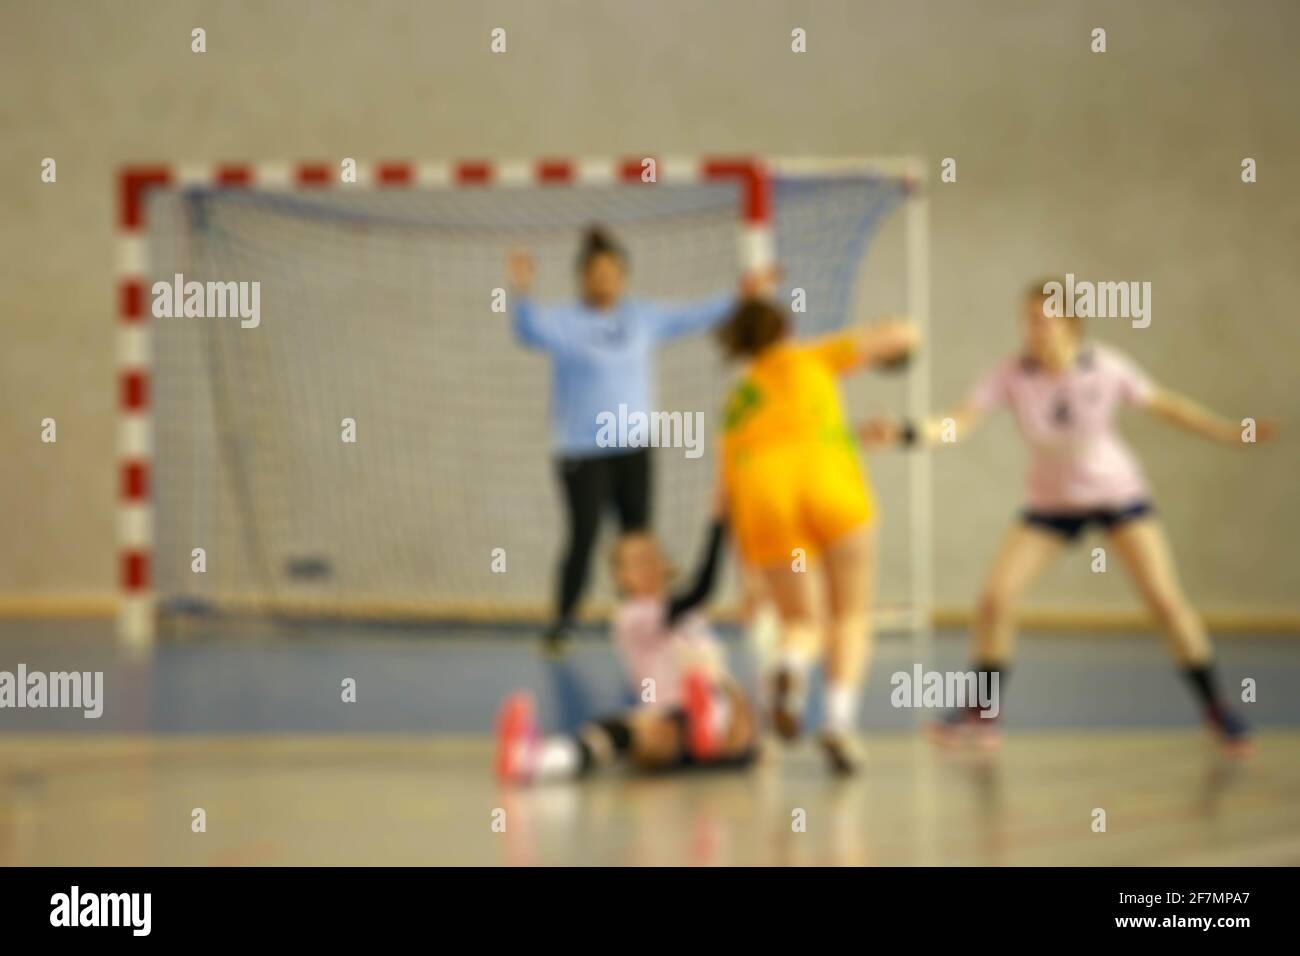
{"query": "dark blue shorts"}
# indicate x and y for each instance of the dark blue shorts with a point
(1070, 525)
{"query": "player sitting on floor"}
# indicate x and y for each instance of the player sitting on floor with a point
(693, 713)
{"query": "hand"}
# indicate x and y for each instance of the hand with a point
(879, 432)
(760, 283)
(894, 338)
(520, 269)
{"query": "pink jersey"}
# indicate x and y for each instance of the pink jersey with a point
(1077, 460)
(649, 650)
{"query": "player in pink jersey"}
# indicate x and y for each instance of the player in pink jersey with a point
(693, 713)
(1065, 393)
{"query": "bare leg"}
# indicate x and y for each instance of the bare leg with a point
(1025, 554)
(656, 742)
(851, 579)
(795, 595)
(851, 585)
(801, 641)
(1145, 550)
(762, 623)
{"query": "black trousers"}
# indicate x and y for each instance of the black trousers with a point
(592, 484)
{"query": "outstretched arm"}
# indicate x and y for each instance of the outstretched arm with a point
(942, 429)
(1182, 411)
(990, 391)
(882, 343)
(674, 321)
(686, 319)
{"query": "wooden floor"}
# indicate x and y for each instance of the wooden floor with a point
(368, 800)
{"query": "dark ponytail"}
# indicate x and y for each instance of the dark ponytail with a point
(597, 241)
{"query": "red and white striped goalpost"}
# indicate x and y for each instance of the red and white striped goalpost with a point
(137, 617)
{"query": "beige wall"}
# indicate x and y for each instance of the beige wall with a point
(1122, 165)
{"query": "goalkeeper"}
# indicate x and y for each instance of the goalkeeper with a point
(602, 350)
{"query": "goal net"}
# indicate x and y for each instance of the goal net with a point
(377, 447)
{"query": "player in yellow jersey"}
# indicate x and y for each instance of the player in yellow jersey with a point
(801, 507)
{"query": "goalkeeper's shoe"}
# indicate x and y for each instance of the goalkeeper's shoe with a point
(557, 642)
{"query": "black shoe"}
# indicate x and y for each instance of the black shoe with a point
(557, 642)
(842, 752)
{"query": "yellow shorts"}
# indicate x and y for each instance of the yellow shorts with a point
(792, 497)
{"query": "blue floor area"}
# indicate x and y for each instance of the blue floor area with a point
(451, 681)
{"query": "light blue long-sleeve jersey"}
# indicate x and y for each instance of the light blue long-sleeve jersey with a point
(600, 360)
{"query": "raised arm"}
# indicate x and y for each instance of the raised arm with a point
(533, 326)
(1187, 414)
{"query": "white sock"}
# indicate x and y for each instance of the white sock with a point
(557, 758)
(764, 635)
(794, 660)
(841, 708)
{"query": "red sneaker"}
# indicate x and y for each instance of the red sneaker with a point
(517, 737)
(702, 738)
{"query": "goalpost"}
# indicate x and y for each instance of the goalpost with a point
(240, 494)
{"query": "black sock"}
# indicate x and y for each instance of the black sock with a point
(588, 758)
(618, 732)
(984, 670)
(1202, 679)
